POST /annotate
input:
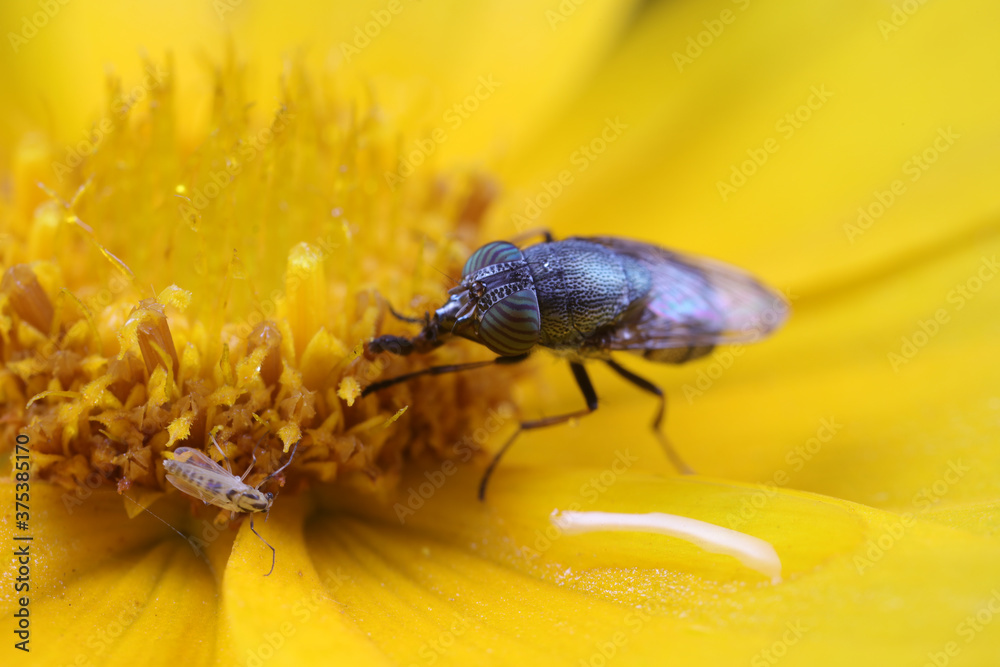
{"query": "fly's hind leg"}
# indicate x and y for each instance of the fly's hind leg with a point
(589, 395)
(543, 232)
(661, 412)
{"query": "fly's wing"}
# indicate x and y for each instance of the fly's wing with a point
(194, 473)
(693, 302)
(199, 459)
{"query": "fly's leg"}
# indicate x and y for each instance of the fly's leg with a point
(439, 370)
(661, 411)
(407, 318)
(190, 540)
(544, 232)
(229, 468)
(287, 463)
(253, 456)
(254, 531)
(589, 395)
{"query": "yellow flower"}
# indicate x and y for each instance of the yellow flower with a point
(845, 154)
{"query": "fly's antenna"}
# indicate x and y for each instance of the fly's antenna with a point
(198, 552)
(452, 280)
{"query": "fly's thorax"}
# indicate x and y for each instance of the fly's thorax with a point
(582, 288)
(495, 304)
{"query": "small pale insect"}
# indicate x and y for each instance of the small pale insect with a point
(194, 473)
(585, 299)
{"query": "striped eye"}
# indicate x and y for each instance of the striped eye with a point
(497, 252)
(511, 326)
(508, 318)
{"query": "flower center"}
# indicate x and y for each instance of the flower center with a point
(160, 293)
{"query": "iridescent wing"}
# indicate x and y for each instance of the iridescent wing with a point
(694, 302)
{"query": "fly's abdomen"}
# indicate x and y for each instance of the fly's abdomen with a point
(582, 287)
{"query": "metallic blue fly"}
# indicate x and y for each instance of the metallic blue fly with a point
(586, 298)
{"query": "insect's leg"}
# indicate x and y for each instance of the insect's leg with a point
(661, 411)
(589, 395)
(253, 457)
(287, 463)
(405, 318)
(197, 550)
(544, 232)
(254, 531)
(397, 345)
(229, 468)
(439, 370)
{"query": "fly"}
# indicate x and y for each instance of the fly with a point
(194, 473)
(585, 298)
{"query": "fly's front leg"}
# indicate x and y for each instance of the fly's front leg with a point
(661, 411)
(589, 395)
(439, 370)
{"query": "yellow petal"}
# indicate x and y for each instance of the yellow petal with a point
(498, 576)
(293, 615)
(105, 587)
(903, 107)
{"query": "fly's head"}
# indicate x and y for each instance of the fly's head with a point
(255, 501)
(494, 305)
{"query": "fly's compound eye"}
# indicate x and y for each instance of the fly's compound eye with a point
(269, 496)
(497, 252)
(512, 325)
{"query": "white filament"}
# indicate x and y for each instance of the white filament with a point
(753, 552)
